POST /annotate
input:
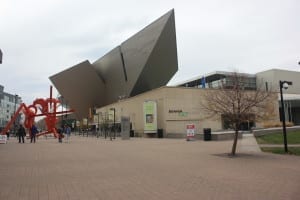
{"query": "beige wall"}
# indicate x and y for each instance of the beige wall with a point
(176, 107)
(186, 100)
(273, 77)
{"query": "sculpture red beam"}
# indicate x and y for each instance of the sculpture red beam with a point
(47, 107)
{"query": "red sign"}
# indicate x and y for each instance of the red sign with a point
(190, 131)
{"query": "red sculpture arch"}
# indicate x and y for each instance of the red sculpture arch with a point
(40, 107)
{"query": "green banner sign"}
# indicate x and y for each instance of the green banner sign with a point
(150, 117)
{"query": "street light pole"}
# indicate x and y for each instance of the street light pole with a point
(114, 123)
(16, 97)
(98, 125)
(283, 84)
(114, 126)
(62, 115)
(1, 56)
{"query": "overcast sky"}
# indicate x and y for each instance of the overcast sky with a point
(41, 38)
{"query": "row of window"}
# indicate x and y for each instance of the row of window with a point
(248, 83)
(7, 109)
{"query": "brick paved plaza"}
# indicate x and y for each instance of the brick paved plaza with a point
(139, 168)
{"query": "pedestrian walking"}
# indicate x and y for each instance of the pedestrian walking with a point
(21, 133)
(68, 132)
(33, 132)
(60, 135)
(8, 134)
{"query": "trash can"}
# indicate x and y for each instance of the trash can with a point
(160, 133)
(206, 134)
(131, 133)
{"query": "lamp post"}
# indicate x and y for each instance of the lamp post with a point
(113, 109)
(16, 97)
(98, 124)
(1, 56)
(62, 110)
(285, 85)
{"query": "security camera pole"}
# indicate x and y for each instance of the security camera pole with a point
(285, 85)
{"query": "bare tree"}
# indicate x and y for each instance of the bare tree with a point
(236, 104)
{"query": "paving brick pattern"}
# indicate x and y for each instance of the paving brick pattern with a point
(139, 168)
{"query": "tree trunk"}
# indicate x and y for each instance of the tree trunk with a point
(236, 134)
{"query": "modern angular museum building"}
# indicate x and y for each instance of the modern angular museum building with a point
(130, 81)
(143, 62)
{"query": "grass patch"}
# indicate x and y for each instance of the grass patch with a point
(280, 150)
(293, 137)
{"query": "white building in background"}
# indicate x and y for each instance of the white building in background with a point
(8, 105)
(269, 80)
(291, 96)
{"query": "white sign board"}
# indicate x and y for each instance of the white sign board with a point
(3, 139)
(190, 131)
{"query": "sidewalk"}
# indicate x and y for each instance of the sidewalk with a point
(140, 168)
(248, 144)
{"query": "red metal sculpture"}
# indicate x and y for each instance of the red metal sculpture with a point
(40, 107)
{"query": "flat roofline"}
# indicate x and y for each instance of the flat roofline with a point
(212, 74)
(276, 69)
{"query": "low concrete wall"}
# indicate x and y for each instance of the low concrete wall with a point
(267, 131)
(229, 135)
(214, 135)
(175, 135)
(225, 136)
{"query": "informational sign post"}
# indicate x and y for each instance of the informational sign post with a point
(85, 121)
(3, 139)
(111, 115)
(95, 119)
(125, 128)
(190, 132)
(150, 117)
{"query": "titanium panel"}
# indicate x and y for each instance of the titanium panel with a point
(111, 69)
(162, 63)
(81, 87)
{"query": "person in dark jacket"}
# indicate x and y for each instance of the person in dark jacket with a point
(21, 133)
(60, 135)
(33, 131)
(7, 134)
(68, 132)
